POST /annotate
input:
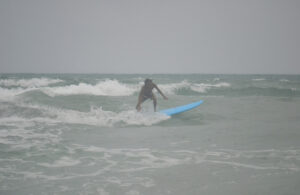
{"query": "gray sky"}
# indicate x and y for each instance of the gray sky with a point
(150, 36)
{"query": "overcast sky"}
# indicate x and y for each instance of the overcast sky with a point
(150, 36)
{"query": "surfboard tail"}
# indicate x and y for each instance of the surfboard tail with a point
(180, 109)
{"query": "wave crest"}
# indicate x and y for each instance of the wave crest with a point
(100, 117)
(196, 87)
(203, 87)
(173, 87)
(103, 88)
(28, 83)
(96, 116)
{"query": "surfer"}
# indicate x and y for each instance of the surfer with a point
(146, 93)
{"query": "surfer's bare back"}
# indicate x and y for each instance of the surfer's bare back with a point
(146, 93)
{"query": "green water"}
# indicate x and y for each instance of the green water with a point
(80, 134)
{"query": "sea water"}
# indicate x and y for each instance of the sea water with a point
(80, 134)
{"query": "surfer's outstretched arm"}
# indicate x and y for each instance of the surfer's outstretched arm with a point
(161, 93)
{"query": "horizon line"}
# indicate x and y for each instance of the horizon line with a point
(150, 73)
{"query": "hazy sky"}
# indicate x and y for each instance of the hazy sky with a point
(150, 36)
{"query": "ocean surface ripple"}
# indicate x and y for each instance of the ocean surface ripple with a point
(81, 134)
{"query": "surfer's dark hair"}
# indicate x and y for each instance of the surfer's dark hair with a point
(147, 81)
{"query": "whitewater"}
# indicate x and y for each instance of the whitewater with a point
(81, 134)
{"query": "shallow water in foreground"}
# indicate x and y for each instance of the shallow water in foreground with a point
(80, 134)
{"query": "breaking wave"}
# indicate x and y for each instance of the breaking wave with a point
(11, 88)
(116, 88)
(173, 87)
(203, 87)
(103, 88)
(96, 116)
(100, 117)
(28, 83)
(10, 94)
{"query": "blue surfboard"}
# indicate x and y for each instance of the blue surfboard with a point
(180, 109)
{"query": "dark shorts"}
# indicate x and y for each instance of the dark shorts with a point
(148, 96)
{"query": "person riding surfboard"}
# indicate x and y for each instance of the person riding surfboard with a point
(146, 93)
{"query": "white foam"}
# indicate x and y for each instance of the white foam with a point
(62, 162)
(259, 79)
(284, 80)
(173, 87)
(144, 158)
(198, 87)
(103, 88)
(99, 117)
(125, 167)
(14, 120)
(243, 165)
(203, 87)
(9, 94)
(274, 159)
(22, 86)
(22, 134)
(28, 83)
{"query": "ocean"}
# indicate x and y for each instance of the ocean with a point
(80, 134)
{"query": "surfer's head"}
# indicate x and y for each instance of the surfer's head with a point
(147, 81)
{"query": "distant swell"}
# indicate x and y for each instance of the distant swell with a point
(11, 88)
(257, 91)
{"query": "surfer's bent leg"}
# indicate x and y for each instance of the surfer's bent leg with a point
(140, 101)
(138, 107)
(154, 102)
